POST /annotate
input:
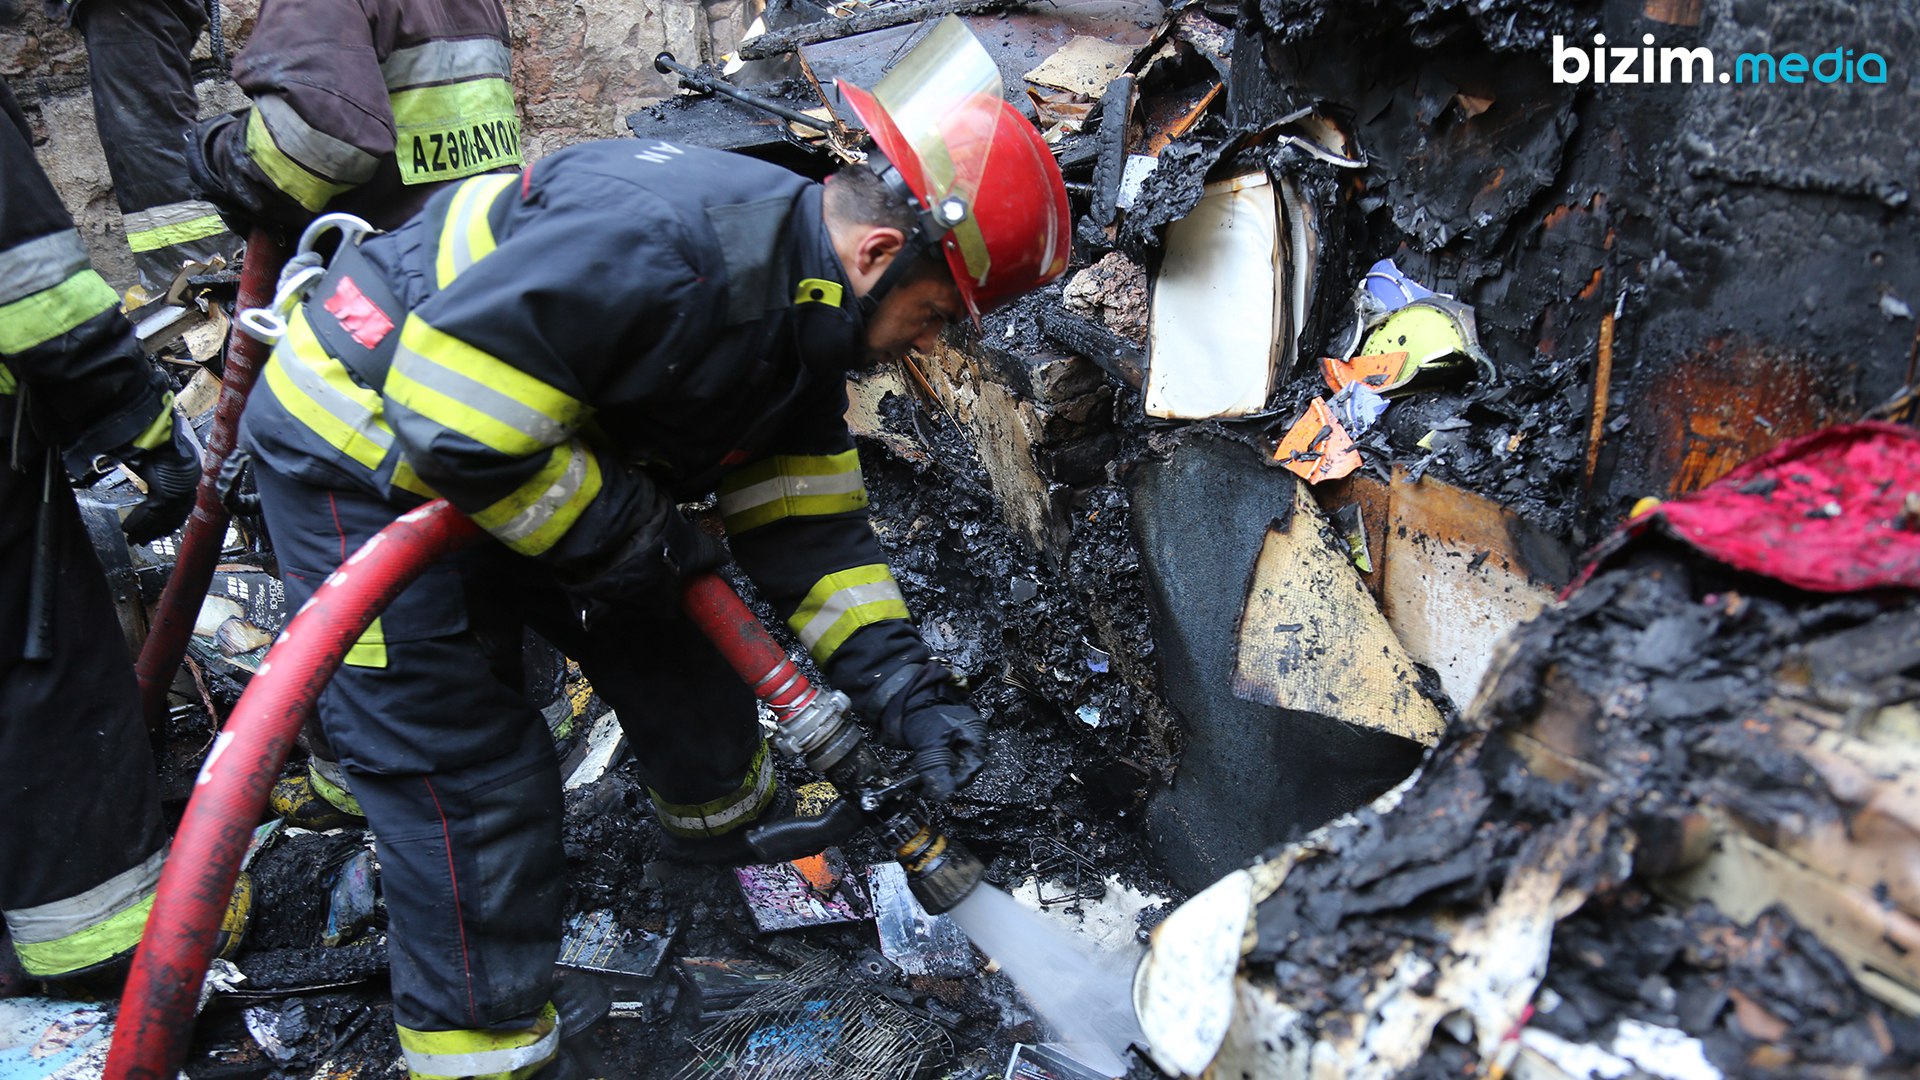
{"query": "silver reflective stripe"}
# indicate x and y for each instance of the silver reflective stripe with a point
(176, 213)
(38, 265)
(532, 423)
(483, 1062)
(846, 600)
(446, 61)
(784, 486)
(467, 222)
(319, 152)
(64, 918)
(529, 521)
(343, 408)
(748, 804)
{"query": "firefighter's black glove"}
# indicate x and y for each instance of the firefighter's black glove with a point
(687, 549)
(949, 742)
(172, 473)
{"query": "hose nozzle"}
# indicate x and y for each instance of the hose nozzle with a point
(940, 870)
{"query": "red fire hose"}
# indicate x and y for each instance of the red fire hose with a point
(162, 992)
(207, 529)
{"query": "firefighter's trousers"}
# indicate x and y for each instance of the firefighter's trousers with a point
(144, 104)
(455, 768)
(83, 838)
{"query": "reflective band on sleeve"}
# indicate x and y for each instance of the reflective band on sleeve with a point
(470, 391)
(42, 316)
(459, 129)
(497, 1054)
(161, 430)
(308, 164)
(8, 384)
(406, 479)
(818, 291)
(539, 512)
(40, 264)
(726, 813)
(791, 485)
(844, 602)
(106, 920)
(371, 650)
(466, 236)
(175, 223)
(446, 61)
(317, 390)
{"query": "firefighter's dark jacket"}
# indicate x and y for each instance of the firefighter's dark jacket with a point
(62, 337)
(361, 106)
(567, 353)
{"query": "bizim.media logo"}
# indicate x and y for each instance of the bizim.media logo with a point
(1605, 63)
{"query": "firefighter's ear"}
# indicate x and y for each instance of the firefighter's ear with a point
(873, 252)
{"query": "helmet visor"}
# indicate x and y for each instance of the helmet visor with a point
(938, 98)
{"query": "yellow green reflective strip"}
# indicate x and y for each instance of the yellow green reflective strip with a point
(535, 515)
(842, 603)
(319, 392)
(175, 223)
(466, 236)
(371, 650)
(47, 314)
(726, 813)
(818, 291)
(482, 1055)
(161, 430)
(791, 485)
(406, 479)
(329, 782)
(7, 382)
(454, 130)
(476, 394)
(299, 182)
(79, 931)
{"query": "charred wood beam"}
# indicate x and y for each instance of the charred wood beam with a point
(881, 18)
(1109, 351)
(1108, 168)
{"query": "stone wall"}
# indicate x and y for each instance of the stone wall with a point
(579, 70)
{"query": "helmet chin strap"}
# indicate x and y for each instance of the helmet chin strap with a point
(931, 226)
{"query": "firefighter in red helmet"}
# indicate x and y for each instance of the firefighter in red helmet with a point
(566, 355)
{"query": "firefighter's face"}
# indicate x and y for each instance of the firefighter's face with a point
(911, 316)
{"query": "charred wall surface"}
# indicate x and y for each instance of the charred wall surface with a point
(1676, 275)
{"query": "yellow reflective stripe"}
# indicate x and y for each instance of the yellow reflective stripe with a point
(47, 314)
(476, 394)
(454, 130)
(317, 390)
(7, 382)
(300, 182)
(482, 1055)
(842, 603)
(329, 782)
(371, 650)
(406, 479)
(535, 515)
(466, 236)
(791, 485)
(175, 223)
(161, 430)
(818, 291)
(82, 930)
(726, 813)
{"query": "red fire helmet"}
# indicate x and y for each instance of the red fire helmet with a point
(979, 170)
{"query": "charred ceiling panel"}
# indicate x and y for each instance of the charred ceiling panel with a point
(1250, 774)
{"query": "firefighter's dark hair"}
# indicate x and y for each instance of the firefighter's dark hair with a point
(857, 196)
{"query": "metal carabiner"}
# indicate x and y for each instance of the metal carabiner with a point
(298, 277)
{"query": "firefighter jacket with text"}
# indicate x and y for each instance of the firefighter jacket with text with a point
(363, 106)
(567, 353)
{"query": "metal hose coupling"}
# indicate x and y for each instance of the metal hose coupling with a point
(820, 733)
(940, 870)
